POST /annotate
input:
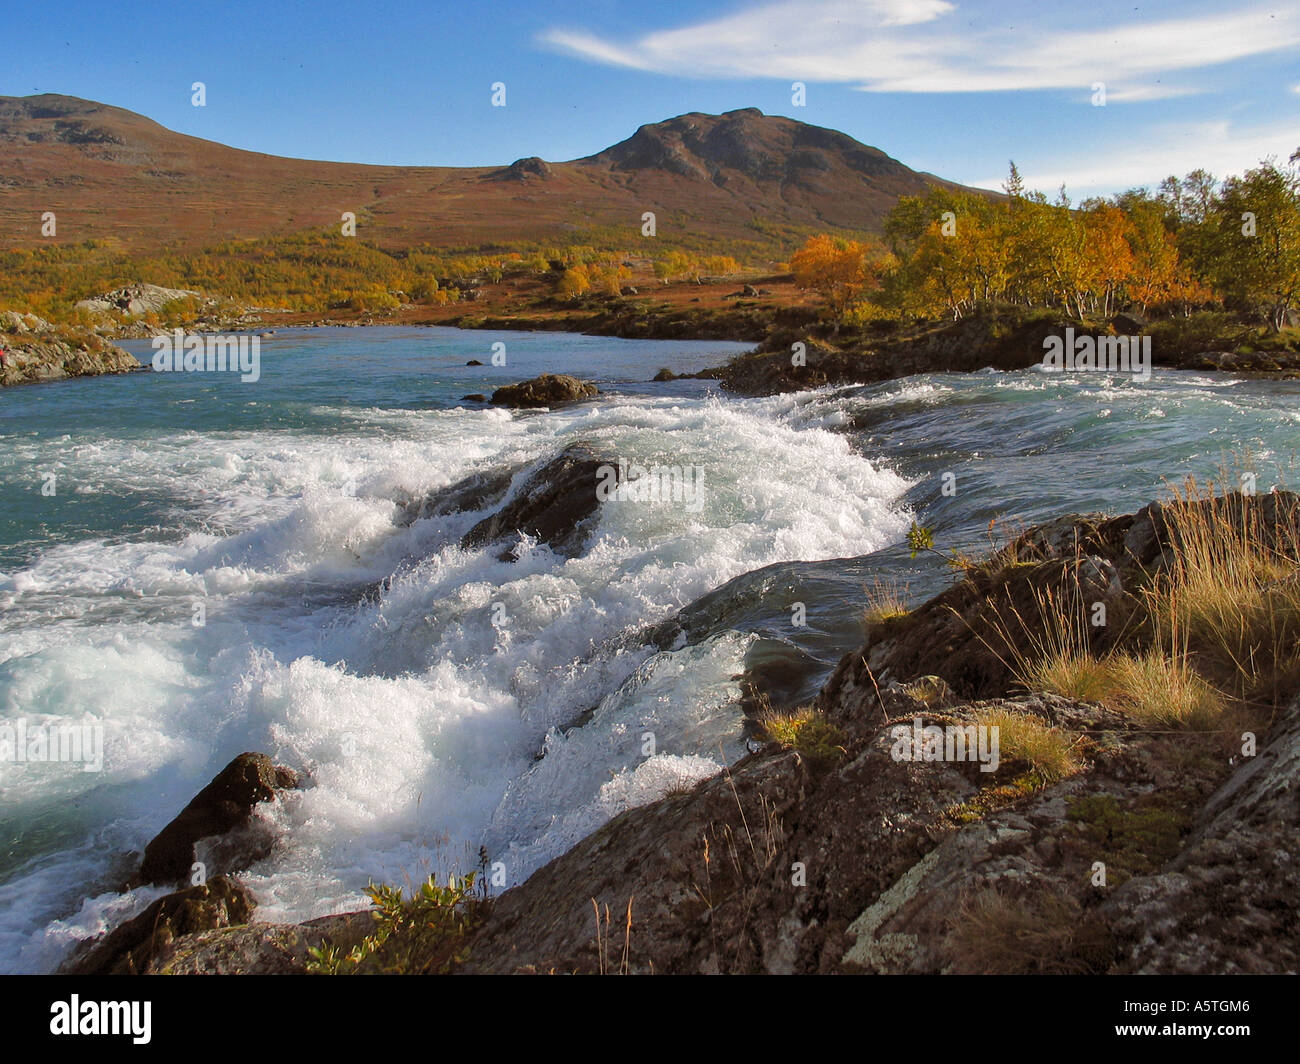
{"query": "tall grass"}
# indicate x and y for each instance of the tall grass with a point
(886, 600)
(1052, 651)
(1219, 624)
(1233, 591)
(1051, 753)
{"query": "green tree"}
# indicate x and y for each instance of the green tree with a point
(1255, 240)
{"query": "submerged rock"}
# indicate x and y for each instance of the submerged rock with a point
(477, 491)
(552, 505)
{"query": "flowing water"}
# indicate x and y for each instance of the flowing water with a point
(227, 566)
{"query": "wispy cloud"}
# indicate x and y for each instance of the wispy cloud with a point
(927, 46)
(1217, 146)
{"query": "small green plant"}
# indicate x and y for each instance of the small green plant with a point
(1132, 840)
(920, 540)
(426, 934)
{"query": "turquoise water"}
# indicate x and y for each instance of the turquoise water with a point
(429, 692)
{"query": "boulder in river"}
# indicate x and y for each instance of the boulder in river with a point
(222, 806)
(552, 505)
(546, 390)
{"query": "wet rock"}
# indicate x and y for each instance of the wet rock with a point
(131, 948)
(224, 805)
(259, 949)
(552, 505)
(474, 397)
(546, 390)
(654, 856)
(477, 491)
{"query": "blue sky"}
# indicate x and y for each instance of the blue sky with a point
(955, 87)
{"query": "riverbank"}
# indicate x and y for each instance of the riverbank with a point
(796, 349)
(796, 346)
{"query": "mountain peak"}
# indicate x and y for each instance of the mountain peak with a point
(746, 144)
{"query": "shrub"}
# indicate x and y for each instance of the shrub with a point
(1206, 331)
(426, 934)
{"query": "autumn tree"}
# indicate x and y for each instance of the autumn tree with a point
(575, 281)
(1109, 255)
(837, 269)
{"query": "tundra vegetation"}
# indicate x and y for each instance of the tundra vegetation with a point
(1208, 261)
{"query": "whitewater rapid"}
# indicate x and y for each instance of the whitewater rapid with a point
(426, 691)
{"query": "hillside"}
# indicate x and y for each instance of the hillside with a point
(108, 172)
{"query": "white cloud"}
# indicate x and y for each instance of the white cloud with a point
(1142, 93)
(1216, 146)
(923, 46)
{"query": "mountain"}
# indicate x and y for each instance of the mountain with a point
(106, 171)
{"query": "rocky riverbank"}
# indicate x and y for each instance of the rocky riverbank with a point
(32, 349)
(805, 355)
(1095, 840)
